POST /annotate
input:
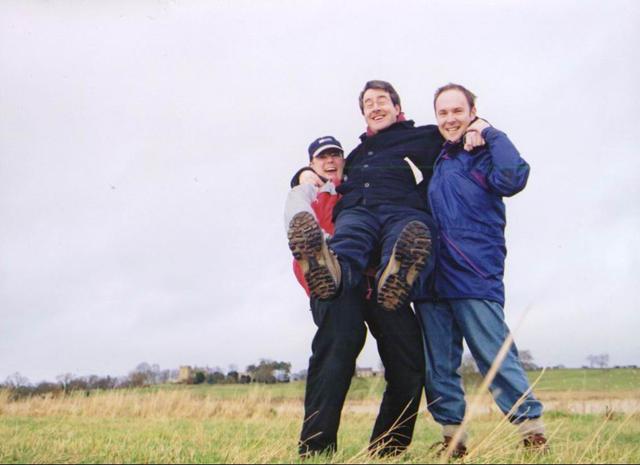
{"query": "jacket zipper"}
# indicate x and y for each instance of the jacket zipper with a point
(442, 234)
(433, 285)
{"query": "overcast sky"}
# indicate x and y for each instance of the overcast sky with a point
(146, 149)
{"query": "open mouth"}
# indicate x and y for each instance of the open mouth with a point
(452, 132)
(378, 117)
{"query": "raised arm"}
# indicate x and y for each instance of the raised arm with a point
(299, 200)
(508, 172)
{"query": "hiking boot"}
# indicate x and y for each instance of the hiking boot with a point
(319, 265)
(409, 257)
(457, 453)
(536, 442)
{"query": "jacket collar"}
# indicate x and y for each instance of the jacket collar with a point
(452, 148)
(405, 124)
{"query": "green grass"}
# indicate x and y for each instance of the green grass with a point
(90, 440)
(619, 379)
(261, 424)
(360, 389)
(273, 440)
(574, 380)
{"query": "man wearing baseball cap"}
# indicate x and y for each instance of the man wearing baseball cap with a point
(326, 156)
(317, 195)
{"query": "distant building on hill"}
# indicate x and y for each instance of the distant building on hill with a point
(281, 376)
(366, 372)
(300, 375)
(185, 375)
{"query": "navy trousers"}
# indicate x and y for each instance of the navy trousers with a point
(338, 341)
(362, 231)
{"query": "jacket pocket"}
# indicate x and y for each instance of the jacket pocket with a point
(464, 256)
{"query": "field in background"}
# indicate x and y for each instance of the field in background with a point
(593, 416)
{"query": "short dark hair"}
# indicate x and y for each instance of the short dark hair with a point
(382, 85)
(470, 96)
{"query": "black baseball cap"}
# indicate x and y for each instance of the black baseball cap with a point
(323, 143)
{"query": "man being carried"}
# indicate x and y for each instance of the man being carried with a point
(383, 207)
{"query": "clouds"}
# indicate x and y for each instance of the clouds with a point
(146, 150)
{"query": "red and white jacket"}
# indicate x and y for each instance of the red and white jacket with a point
(317, 201)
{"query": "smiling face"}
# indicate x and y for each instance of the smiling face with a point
(329, 164)
(453, 114)
(379, 110)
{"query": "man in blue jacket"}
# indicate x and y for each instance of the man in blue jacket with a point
(466, 296)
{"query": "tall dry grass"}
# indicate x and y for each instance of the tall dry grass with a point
(157, 404)
(201, 426)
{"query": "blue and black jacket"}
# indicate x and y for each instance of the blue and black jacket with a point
(378, 170)
(465, 196)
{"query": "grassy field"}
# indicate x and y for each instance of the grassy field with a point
(258, 423)
(566, 380)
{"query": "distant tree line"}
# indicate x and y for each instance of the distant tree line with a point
(269, 371)
(19, 386)
(266, 371)
(145, 375)
(598, 361)
(217, 376)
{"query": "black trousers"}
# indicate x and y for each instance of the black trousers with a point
(338, 341)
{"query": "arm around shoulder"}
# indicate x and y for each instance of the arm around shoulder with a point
(509, 172)
(306, 175)
(299, 200)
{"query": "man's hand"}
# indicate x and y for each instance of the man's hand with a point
(472, 136)
(309, 177)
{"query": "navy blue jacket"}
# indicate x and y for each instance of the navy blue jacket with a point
(465, 195)
(376, 171)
